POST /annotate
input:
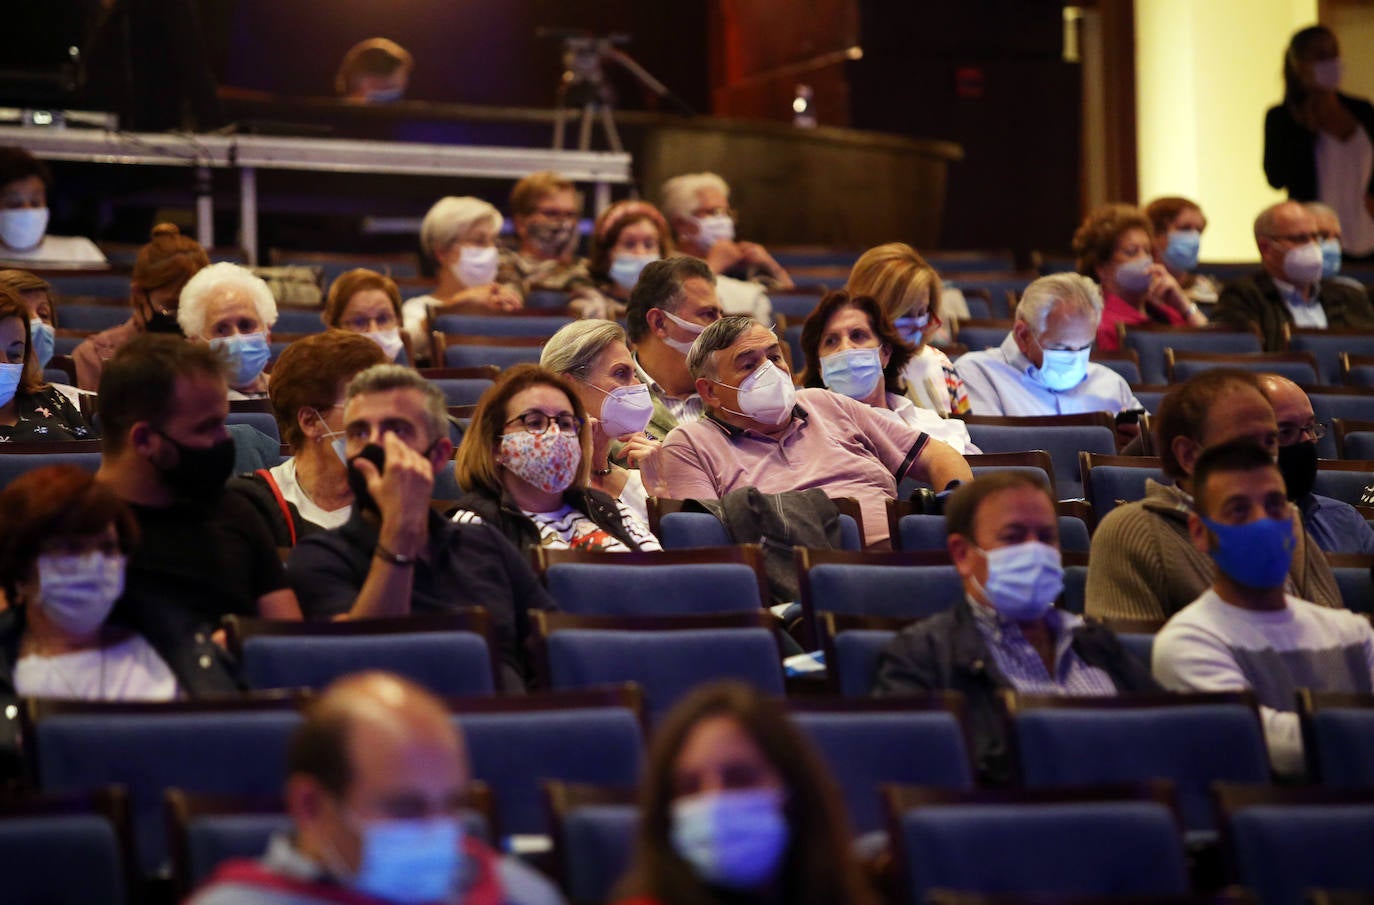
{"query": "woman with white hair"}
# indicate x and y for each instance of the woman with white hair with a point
(595, 356)
(459, 235)
(228, 307)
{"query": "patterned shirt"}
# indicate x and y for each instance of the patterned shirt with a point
(1020, 662)
(569, 528)
(45, 415)
(684, 410)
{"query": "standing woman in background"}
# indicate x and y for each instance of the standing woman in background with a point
(1317, 143)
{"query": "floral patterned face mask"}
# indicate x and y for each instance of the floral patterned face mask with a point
(548, 461)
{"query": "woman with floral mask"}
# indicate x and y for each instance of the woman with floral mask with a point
(524, 464)
(64, 543)
(595, 356)
(1319, 143)
(1178, 225)
(737, 807)
(851, 347)
(366, 302)
(1115, 246)
(232, 310)
(309, 492)
(459, 236)
(29, 408)
(626, 237)
(908, 289)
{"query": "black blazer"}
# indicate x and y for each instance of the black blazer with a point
(1290, 148)
(1254, 302)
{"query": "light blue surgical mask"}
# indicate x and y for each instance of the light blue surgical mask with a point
(854, 372)
(410, 861)
(735, 838)
(1180, 254)
(248, 354)
(338, 440)
(1134, 275)
(1024, 579)
(625, 269)
(10, 375)
(1063, 369)
(1257, 554)
(384, 95)
(45, 337)
(1331, 257)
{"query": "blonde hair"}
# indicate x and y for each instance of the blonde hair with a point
(896, 276)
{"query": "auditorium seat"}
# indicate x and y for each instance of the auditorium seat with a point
(1326, 345)
(909, 585)
(72, 849)
(1338, 737)
(594, 829)
(1110, 480)
(1062, 436)
(669, 583)
(1299, 367)
(1149, 342)
(852, 646)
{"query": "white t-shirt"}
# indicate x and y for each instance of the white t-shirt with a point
(635, 497)
(1343, 169)
(744, 297)
(949, 430)
(128, 671)
(415, 320)
(58, 251)
(291, 491)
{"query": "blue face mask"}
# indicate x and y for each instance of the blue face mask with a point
(45, 339)
(1024, 579)
(247, 353)
(625, 269)
(1257, 554)
(1134, 275)
(384, 95)
(1331, 257)
(10, 375)
(410, 861)
(1063, 369)
(1181, 252)
(853, 373)
(735, 839)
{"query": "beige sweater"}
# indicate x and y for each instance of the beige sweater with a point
(1143, 564)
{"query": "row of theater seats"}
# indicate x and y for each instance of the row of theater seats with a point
(1114, 796)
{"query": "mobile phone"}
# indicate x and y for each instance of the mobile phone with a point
(1129, 416)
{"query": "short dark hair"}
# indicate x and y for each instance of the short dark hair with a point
(962, 507)
(883, 328)
(319, 749)
(17, 164)
(138, 383)
(1236, 455)
(660, 286)
(1184, 411)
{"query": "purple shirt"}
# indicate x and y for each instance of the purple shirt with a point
(846, 448)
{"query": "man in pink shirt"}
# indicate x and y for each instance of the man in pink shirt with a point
(760, 431)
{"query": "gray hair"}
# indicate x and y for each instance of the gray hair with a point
(452, 216)
(1075, 291)
(386, 377)
(721, 334)
(575, 346)
(1265, 222)
(680, 193)
(660, 286)
(1323, 212)
(210, 281)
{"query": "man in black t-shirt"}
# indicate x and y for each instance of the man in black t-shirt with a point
(202, 554)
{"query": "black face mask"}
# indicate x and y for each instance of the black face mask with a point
(159, 322)
(200, 472)
(373, 453)
(1298, 465)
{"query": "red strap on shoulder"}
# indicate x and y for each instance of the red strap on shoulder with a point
(281, 502)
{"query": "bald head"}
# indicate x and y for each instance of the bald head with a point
(1292, 408)
(374, 746)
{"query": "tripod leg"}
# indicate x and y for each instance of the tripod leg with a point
(584, 135)
(608, 126)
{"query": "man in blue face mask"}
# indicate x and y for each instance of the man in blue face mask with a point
(1245, 633)
(1006, 632)
(377, 781)
(1042, 367)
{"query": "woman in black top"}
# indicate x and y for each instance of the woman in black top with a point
(29, 408)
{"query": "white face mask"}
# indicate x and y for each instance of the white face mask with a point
(476, 266)
(389, 340)
(679, 345)
(767, 395)
(22, 228)
(1302, 264)
(713, 229)
(78, 592)
(626, 410)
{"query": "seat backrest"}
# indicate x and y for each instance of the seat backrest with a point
(262, 421)
(683, 530)
(447, 663)
(722, 579)
(794, 306)
(1062, 442)
(61, 859)
(1074, 848)
(1299, 368)
(1141, 645)
(1073, 534)
(515, 745)
(594, 837)
(1327, 345)
(666, 664)
(1111, 480)
(13, 464)
(909, 585)
(1344, 479)
(1150, 342)
(1328, 403)
(979, 335)
(920, 532)
(213, 839)
(1124, 362)
(1192, 741)
(151, 747)
(499, 324)
(852, 657)
(1338, 738)
(1356, 586)
(461, 391)
(916, 742)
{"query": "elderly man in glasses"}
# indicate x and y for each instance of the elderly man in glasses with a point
(395, 556)
(1290, 291)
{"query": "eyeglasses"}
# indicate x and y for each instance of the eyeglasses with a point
(549, 213)
(1297, 238)
(908, 327)
(536, 422)
(1293, 433)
